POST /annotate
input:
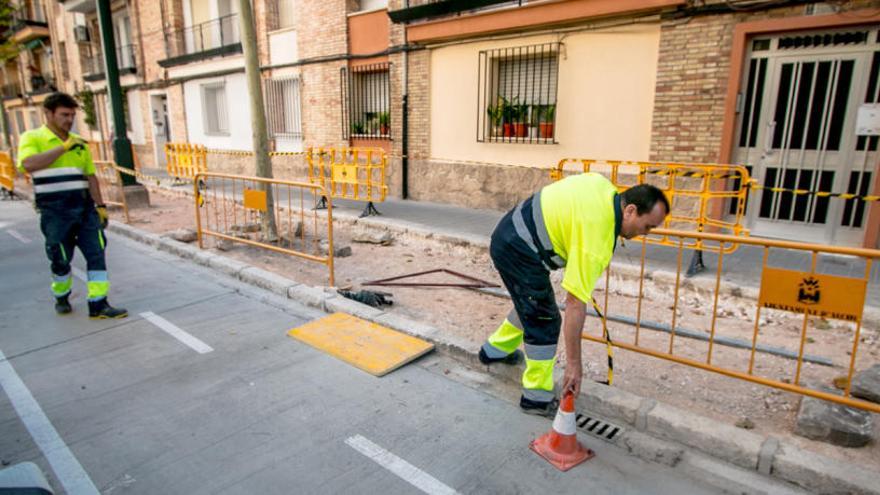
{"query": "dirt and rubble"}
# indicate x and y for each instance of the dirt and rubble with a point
(472, 316)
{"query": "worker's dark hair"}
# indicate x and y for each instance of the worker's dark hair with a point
(59, 99)
(644, 196)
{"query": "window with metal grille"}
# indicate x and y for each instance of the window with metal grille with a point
(286, 16)
(516, 100)
(283, 110)
(366, 96)
(214, 109)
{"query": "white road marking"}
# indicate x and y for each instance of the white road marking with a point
(171, 329)
(67, 468)
(406, 471)
(79, 274)
(18, 235)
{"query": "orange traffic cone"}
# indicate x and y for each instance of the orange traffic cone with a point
(560, 446)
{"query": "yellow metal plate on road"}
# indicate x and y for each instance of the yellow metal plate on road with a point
(371, 347)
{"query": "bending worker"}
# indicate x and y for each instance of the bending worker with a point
(573, 223)
(67, 195)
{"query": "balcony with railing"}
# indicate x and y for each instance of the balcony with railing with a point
(126, 61)
(215, 38)
(42, 83)
(419, 10)
(29, 22)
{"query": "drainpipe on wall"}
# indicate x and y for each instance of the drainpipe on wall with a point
(404, 164)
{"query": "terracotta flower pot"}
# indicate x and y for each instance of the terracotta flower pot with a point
(545, 130)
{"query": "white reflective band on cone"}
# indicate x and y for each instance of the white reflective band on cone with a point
(564, 423)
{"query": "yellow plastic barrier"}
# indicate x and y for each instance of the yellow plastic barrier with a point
(272, 214)
(698, 193)
(350, 173)
(739, 348)
(110, 179)
(7, 173)
(185, 160)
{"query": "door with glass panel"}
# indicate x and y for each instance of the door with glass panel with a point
(797, 130)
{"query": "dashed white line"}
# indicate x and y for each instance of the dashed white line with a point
(172, 330)
(18, 235)
(79, 274)
(67, 468)
(406, 471)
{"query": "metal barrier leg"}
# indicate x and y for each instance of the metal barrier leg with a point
(696, 265)
(370, 209)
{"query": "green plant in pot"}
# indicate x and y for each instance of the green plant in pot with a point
(357, 128)
(384, 123)
(520, 116)
(496, 116)
(547, 121)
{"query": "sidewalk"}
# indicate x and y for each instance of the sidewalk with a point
(474, 226)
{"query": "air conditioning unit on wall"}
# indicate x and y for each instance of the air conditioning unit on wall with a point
(81, 34)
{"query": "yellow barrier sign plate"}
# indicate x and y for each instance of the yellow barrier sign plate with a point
(255, 200)
(826, 296)
(371, 347)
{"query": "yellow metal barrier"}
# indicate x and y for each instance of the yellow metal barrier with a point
(7, 174)
(272, 214)
(185, 160)
(788, 301)
(352, 173)
(699, 193)
(110, 179)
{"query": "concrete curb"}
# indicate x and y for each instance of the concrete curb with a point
(658, 430)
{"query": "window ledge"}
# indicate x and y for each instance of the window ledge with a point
(282, 30)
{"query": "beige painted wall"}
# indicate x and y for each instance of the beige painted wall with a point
(604, 104)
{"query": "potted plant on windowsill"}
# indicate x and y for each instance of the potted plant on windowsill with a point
(384, 121)
(357, 129)
(520, 126)
(545, 127)
(496, 116)
(508, 116)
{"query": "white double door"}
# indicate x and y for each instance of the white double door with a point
(797, 130)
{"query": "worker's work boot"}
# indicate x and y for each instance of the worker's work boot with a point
(102, 309)
(546, 409)
(514, 358)
(62, 305)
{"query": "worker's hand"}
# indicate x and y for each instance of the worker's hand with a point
(571, 380)
(74, 143)
(103, 216)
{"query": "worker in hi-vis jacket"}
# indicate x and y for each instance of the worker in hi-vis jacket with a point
(573, 223)
(67, 194)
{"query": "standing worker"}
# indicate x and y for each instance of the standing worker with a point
(68, 197)
(573, 223)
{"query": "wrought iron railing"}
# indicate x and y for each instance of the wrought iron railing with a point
(42, 83)
(28, 16)
(215, 34)
(126, 61)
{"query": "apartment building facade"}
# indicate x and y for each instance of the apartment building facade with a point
(787, 88)
(181, 68)
(497, 91)
(26, 65)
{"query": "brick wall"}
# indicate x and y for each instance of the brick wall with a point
(177, 113)
(692, 78)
